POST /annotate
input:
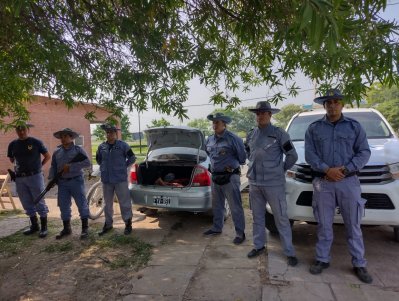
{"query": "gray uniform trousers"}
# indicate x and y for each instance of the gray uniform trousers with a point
(232, 193)
(122, 192)
(347, 195)
(275, 196)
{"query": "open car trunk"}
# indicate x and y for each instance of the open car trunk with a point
(164, 174)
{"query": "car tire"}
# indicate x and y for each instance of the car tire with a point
(396, 234)
(95, 200)
(270, 224)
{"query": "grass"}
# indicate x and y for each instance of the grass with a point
(14, 244)
(245, 200)
(7, 213)
(58, 247)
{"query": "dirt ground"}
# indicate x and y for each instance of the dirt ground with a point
(48, 269)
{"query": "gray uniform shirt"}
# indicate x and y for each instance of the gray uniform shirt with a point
(266, 148)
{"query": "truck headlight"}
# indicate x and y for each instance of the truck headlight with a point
(394, 170)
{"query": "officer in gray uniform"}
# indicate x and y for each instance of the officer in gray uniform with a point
(336, 148)
(266, 146)
(25, 153)
(227, 153)
(114, 157)
(71, 183)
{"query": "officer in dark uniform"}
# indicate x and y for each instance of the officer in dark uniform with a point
(227, 153)
(266, 147)
(25, 153)
(71, 184)
(336, 148)
(114, 157)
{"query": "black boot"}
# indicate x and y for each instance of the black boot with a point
(34, 226)
(128, 227)
(105, 229)
(85, 228)
(66, 231)
(43, 227)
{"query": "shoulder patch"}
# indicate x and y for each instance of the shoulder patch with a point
(288, 146)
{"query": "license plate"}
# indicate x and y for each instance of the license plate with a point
(162, 200)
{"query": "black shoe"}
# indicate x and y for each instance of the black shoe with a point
(85, 228)
(128, 227)
(105, 230)
(239, 240)
(34, 226)
(255, 252)
(43, 227)
(211, 232)
(318, 267)
(292, 261)
(362, 274)
(66, 231)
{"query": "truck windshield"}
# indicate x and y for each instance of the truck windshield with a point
(374, 126)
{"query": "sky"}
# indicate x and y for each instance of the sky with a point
(198, 105)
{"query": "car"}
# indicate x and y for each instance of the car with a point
(175, 174)
(379, 178)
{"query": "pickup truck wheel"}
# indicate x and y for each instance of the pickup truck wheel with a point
(270, 224)
(396, 234)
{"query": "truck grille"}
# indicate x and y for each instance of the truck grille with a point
(371, 174)
(374, 200)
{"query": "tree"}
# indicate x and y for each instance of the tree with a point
(99, 133)
(158, 123)
(125, 123)
(203, 124)
(283, 117)
(140, 54)
(385, 100)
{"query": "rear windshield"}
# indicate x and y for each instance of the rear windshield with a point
(372, 123)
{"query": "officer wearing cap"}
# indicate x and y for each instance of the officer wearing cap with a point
(114, 157)
(336, 148)
(71, 183)
(227, 153)
(266, 147)
(25, 153)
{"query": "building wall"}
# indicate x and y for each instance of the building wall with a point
(48, 116)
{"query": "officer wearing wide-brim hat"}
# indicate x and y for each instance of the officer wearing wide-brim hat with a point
(71, 183)
(26, 154)
(115, 157)
(336, 148)
(226, 152)
(270, 153)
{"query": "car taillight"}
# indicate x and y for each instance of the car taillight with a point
(133, 173)
(201, 177)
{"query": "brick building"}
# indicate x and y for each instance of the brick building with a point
(48, 116)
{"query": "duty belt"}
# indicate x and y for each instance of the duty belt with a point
(27, 173)
(68, 179)
(234, 171)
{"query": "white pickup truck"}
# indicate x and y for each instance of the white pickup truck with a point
(379, 178)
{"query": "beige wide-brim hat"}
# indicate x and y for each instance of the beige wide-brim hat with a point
(66, 131)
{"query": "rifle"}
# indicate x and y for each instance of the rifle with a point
(78, 158)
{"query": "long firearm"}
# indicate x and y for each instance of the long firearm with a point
(78, 158)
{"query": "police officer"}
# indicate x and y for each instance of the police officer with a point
(25, 153)
(227, 153)
(336, 148)
(266, 146)
(71, 183)
(114, 157)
